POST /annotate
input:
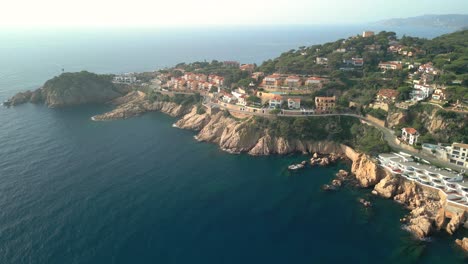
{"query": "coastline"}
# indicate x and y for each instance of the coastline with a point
(426, 206)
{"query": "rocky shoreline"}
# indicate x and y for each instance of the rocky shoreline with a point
(427, 213)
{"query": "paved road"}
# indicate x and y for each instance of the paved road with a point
(388, 135)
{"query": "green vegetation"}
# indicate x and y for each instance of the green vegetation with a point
(378, 113)
(452, 124)
(231, 75)
(346, 130)
(71, 82)
(360, 84)
(368, 139)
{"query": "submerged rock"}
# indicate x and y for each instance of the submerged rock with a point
(455, 222)
(463, 243)
(420, 226)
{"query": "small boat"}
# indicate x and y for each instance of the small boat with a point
(365, 203)
(296, 166)
(327, 187)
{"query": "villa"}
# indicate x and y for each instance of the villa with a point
(391, 65)
(125, 78)
(321, 61)
(439, 95)
(311, 81)
(409, 135)
(294, 103)
(458, 154)
(273, 80)
(276, 101)
(447, 181)
(293, 81)
(385, 95)
(325, 104)
(421, 92)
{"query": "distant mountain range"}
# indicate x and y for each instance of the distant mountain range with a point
(455, 21)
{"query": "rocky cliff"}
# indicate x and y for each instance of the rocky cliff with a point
(238, 136)
(442, 125)
(72, 89)
(136, 103)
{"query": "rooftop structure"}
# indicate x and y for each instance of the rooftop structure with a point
(409, 135)
(390, 65)
(366, 34)
(387, 95)
(325, 104)
(451, 183)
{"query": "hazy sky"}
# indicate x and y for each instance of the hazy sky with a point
(215, 12)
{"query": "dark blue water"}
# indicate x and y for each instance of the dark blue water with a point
(141, 191)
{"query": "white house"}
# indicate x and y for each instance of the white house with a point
(125, 78)
(421, 92)
(458, 154)
(409, 135)
(242, 100)
(321, 60)
(294, 103)
(276, 102)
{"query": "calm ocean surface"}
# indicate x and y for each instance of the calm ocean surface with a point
(141, 191)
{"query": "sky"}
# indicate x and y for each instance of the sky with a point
(162, 13)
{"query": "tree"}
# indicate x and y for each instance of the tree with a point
(254, 99)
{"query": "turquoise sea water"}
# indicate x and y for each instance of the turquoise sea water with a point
(141, 191)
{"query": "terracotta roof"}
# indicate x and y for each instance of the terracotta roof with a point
(295, 99)
(389, 93)
(315, 79)
(275, 76)
(277, 97)
(293, 77)
(410, 130)
(460, 145)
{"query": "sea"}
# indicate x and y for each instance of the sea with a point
(141, 191)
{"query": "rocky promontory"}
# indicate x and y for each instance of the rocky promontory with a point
(70, 89)
(136, 103)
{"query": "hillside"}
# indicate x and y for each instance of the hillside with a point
(72, 89)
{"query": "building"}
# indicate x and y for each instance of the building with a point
(428, 68)
(439, 95)
(385, 95)
(242, 100)
(421, 92)
(294, 103)
(358, 62)
(247, 67)
(458, 154)
(325, 104)
(409, 135)
(257, 75)
(366, 34)
(125, 78)
(447, 181)
(321, 60)
(276, 102)
(390, 65)
(293, 81)
(227, 97)
(314, 80)
(273, 80)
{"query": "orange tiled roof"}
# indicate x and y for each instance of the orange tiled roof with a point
(389, 93)
(410, 130)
